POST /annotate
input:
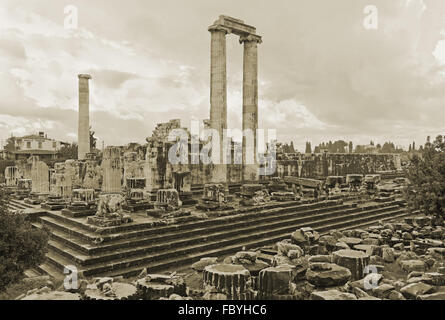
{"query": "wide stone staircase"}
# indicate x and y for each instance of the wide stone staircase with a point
(127, 249)
(14, 205)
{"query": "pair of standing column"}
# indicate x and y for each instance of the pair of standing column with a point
(218, 100)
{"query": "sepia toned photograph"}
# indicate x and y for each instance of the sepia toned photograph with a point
(224, 154)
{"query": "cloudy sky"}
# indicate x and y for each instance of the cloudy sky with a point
(322, 74)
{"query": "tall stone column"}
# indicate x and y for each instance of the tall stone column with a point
(83, 135)
(250, 106)
(218, 95)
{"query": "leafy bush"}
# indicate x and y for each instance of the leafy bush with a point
(427, 176)
(21, 246)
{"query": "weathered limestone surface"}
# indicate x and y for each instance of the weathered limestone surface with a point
(383, 291)
(11, 175)
(305, 237)
(413, 290)
(218, 96)
(39, 176)
(250, 106)
(332, 295)
(54, 295)
(93, 175)
(204, 262)
(350, 241)
(112, 169)
(151, 166)
(84, 117)
(276, 280)
(432, 296)
(112, 291)
(412, 265)
(65, 178)
(354, 260)
(230, 279)
(155, 286)
(133, 167)
(327, 275)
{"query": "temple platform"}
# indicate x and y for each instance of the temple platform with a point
(78, 213)
(162, 244)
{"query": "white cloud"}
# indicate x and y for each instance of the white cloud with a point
(321, 75)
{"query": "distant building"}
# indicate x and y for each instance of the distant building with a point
(32, 145)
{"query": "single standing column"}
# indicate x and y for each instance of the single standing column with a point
(83, 134)
(218, 95)
(250, 106)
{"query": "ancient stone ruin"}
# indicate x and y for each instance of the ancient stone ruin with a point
(137, 226)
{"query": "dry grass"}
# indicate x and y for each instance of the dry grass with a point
(26, 284)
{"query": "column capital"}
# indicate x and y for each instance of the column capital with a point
(218, 27)
(250, 38)
(84, 76)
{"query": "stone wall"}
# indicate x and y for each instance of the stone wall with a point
(112, 169)
(323, 165)
(91, 175)
(152, 164)
(134, 166)
(39, 176)
(61, 183)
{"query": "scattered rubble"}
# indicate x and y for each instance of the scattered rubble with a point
(155, 286)
(389, 261)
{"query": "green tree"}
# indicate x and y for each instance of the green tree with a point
(427, 176)
(388, 147)
(292, 148)
(308, 148)
(339, 146)
(68, 151)
(10, 144)
(21, 246)
(359, 149)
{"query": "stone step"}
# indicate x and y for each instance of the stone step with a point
(84, 248)
(31, 273)
(64, 237)
(180, 239)
(37, 224)
(49, 269)
(78, 229)
(161, 242)
(156, 235)
(174, 264)
(20, 203)
(183, 253)
(14, 206)
(57, 215)
(373, 222)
